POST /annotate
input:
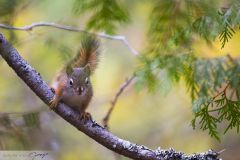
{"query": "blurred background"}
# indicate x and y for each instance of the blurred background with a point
(154, 119)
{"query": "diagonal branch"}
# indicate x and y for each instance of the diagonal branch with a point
(115, 98)
(33, 80)
(73, 29)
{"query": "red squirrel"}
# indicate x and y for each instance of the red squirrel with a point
(72, 84)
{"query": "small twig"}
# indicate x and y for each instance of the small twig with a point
(218, 94)
(214, 110)
(223, 150)
(223, 91)
(115, 98)
(73, 29)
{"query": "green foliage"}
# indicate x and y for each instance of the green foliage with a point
(164, 24)
(7, 7)
(230, 18)
(107, 14)
(173, 27)
(164, 67)
(174, 24)
(217, 110)
(207, 122)
(205, 79)
(171, 32)
(218, 22)
(226, 34)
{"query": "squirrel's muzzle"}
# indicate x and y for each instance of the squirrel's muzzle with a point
(80, 90)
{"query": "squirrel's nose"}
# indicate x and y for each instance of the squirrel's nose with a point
(80, 90)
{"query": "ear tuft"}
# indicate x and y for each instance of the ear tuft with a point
(87, 69)
(69, 70)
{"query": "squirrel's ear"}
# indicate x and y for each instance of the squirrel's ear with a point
(87, 69)
(69, 70)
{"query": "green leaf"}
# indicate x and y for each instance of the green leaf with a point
(106, 14)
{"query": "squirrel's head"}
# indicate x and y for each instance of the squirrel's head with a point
(79, 80)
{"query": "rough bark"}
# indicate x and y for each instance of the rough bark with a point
(89, 127)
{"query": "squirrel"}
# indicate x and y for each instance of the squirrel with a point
(72, 84)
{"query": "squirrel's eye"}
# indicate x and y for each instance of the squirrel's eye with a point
(71, 82)
(87, 80)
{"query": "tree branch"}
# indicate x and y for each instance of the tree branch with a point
(33, 79)
(73, 29)
(114, 100)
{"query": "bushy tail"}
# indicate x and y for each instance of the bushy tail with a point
(87, 54)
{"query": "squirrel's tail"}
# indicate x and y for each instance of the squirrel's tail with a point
(87, 54)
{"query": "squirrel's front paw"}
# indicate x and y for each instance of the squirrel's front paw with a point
(85, 116)
(53, 103)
